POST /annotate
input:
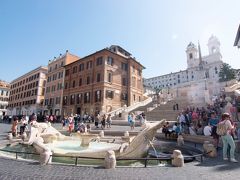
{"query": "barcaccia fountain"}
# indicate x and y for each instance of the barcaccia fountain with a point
(44, 138)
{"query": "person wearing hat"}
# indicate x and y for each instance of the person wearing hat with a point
(227, 139)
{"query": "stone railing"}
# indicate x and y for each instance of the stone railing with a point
(130, 108)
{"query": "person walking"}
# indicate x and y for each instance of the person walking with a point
(23, 124)
(103, 121)
(97, 120)
(227, 139)
(109, 121)
(131, 120)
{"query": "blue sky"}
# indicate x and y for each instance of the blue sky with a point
(156, 32)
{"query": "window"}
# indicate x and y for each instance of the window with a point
(53, 88)
(139, 84)
(89, 65)
(124, 81)
(74, 69)
(81, 67)
(139, 72)
(88, 80)
(65, 100)
(72, 100)
(109, 94)
(87, 97)
(59, 86)
(98, 77)
(66, 85)
(190, 56)
(55, 66)
(134, 97)
(110, 61)
(67, 72)
(98, 96)
(58, 99)
(51, 101)
(99, 61)
(80, 82)
(133, 69)
(73, 84)
(134, 81)
(109, 77)
(79, 98)
(46, 102)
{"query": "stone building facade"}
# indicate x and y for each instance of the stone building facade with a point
(101, 82)
(200, 79)
(27, 93)
(55, 82)
(4, 96)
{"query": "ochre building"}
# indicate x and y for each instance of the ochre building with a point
(102, 82)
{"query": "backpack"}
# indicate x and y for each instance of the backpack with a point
(221, 129)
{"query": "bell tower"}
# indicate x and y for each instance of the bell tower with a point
(191, 51)
(213, 45)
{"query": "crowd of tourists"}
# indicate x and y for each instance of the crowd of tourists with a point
(132, 118)
(21, 124)
(82, 124)
(207, 121)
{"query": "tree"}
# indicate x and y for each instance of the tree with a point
(226, 73)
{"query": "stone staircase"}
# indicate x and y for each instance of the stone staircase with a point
(165, 111)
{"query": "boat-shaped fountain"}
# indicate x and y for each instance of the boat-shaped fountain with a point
(43, 136)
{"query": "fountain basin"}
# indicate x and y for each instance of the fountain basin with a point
(165, 149)
(73, 148)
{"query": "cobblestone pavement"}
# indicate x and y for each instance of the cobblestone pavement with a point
(210, 169)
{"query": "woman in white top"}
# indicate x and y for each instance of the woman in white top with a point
(228, 139)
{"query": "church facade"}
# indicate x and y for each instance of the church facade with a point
(200, 81)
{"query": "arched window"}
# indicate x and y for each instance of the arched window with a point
(190, 56)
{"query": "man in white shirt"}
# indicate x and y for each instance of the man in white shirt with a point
(207, 131)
